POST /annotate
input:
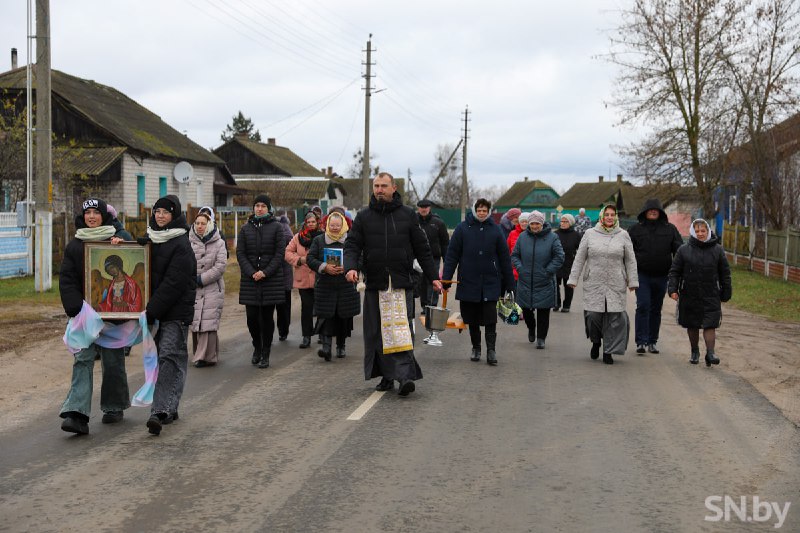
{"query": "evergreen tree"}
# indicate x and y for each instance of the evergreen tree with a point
(240, 124)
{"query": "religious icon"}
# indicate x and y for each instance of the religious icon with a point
(117, 278)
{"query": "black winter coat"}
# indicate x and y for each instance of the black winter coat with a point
(480, 252)
(70, 278)
(288, 273)
(389, 237)
(655, 242)
(436, 231)
(333, 295)
(173, 277)
(702, 278)
(261, 246)
(570, 240)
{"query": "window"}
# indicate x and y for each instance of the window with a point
(140, 189)
(731, 208)
(748, 210)
(162, 187)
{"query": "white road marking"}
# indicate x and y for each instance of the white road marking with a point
(366, 406)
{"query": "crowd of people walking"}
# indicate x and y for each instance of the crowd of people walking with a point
(389, 253)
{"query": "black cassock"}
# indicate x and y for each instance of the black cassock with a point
(399, 365)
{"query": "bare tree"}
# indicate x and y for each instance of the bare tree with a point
(354, 170)
(447, 189)
(763, 69)
(671, 55)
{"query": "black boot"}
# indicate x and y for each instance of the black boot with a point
(340, 353)
(325, 351)
(476, 354)
(711, 359)
(607, 359)
(306, 342)
(595, 353)
(695, 357)
(491, 355)
(475, 339)
(256, 356)
(264, 361)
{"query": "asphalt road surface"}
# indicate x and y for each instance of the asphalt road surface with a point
(548, 440)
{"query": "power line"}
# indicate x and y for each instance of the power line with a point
(315, 112)
(259, 33)
(331, 96)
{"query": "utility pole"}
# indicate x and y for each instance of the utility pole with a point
(43, 188)
(464, 195)
(365, 166)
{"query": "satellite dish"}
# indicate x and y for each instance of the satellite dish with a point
(183, 172)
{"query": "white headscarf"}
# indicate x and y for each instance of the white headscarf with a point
(694, 234)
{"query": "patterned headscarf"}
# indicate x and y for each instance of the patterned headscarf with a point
(342, 232)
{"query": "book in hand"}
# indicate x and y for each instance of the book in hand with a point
(333, 256)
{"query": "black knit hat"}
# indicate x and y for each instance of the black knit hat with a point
(169, 202)
(264, 199)
(100, 205)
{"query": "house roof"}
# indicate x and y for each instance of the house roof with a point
(123, 119)
(786, 138)
(88, 161)
(289, 192)
(591, 195)
(633, 198)
(520, 190)
(279, 157)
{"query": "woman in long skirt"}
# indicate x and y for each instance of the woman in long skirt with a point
(336, 300)
(605, 259)
(212, 258)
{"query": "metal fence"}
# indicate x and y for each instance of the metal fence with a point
(13, 248)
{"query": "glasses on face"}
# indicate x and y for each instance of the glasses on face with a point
(161, 212)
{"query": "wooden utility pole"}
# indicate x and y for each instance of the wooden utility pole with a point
(464, 192)
(43, 186)
(365, 166)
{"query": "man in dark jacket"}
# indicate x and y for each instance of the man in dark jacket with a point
(284, 310)
(387, 237)
(655, 241)
(436, 231)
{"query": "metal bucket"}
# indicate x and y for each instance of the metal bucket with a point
(436, 318)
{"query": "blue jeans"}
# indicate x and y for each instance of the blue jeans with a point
(649, 301)
(114, 394)
(173, 358)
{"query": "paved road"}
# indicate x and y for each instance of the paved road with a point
(546, 441)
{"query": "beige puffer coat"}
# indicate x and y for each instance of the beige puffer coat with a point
(212, 259)
(609, 269)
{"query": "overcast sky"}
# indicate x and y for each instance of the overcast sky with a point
(525, 69)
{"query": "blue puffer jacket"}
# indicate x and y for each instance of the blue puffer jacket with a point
(480, 252)
(537, 257)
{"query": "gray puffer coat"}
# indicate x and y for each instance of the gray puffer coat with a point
(537, 257)
(212, 258)
(608, 265)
